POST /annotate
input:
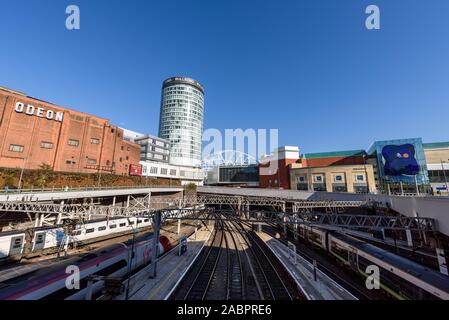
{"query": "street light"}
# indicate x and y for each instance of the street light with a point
(131, 258)
(366, 174)
(21, 173)
(444, 174)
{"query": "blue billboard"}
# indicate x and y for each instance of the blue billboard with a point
(400, 160)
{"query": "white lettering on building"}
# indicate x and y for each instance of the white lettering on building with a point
(39, 112)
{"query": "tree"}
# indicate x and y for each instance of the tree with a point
(43, 175)
(9, 179)
(191, 187)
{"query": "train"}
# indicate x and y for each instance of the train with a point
(400, 278)
(50, 239)
(50, 283)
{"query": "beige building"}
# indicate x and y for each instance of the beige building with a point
(437, 159)
(336, 178)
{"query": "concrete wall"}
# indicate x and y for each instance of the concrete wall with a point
(425, 207)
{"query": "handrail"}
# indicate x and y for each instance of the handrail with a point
(71, 189)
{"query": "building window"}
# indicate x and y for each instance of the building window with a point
(301, 179)
(153, 170)
(338, 178)
(16, 148)
(359, 177)
(70, 162)
(108, 162)
(74, 143)
(46, 145)
(173, 172)
(127, 158)
(318, 179)
(122, 148)
(94, 141)
(91, 161)
(163, 171)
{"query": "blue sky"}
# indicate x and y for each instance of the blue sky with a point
(307, 67)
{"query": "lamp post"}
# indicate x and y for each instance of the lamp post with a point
(99, 176)
(131, 258)
(21, 173)
(366, 174)
(444, 174)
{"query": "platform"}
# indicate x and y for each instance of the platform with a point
(302, 272)
(83, 193)
(171, 268)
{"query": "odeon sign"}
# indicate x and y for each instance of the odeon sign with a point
(31, 110)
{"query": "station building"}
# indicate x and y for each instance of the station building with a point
(274, 171)
(35, 132)
(242, 175)
(437, 159)
(400, 166)
(341, 171)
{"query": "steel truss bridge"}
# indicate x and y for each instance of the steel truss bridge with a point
(302, 212)
(241, 202)
(309, 218)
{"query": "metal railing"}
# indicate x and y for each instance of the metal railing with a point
(72, 189)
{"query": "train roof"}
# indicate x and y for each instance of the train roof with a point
(419, 271)
(11, 232)
(20, 281)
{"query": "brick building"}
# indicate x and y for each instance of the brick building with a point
(274, 168)
(34, 132)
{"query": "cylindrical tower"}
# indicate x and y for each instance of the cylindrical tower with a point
(181, 119)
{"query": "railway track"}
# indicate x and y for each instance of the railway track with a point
(328, 266)
(236, 266)
(205, 276)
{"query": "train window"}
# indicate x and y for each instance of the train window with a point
(339, 250)
(139, 221)
(17, 243)
(40, 238)
(112, 268)
(101, 228)
(123, 224)
(77, 232)
(90, 230)
(112, 226)
(315, 237)
(131, 223)
(146, 220)
(64, 292)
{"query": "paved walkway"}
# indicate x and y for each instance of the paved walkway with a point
(171, 268)
(302, 271)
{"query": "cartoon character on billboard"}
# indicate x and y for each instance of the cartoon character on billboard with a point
(400, 160)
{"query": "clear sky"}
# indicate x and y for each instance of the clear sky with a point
(307, 67)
